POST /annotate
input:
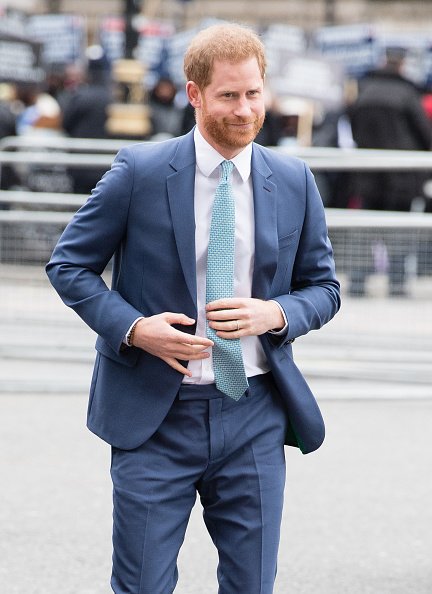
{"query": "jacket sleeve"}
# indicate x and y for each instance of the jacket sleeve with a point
(314, 296)
(85, 249)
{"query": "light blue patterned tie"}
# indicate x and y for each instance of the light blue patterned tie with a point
(229, 371)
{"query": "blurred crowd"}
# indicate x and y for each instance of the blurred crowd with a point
(386, 110)
(382, 110)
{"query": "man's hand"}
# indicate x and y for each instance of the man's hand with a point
(156, 335)
(237, 317)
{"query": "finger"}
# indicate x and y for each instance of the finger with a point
(186, 347)
(229, 326)
(181, 339)
(172, 362)
(187, 352)
(224, 314)
(198, 356)
(194, 349)
(229, 303)
(230, 335)
(192, 340)
(178, 318)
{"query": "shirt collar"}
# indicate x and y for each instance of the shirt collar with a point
(208, 159)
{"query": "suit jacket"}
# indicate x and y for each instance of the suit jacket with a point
(141, 214)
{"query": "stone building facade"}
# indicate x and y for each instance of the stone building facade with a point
(409, 14)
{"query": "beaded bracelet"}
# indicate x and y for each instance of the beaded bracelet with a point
(130, 336)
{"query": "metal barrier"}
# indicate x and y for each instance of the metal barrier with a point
(366, 244)
(382, 253)
(369, 246)
(64, 143)
(99, 152)
(52, 158)
(41, 200)
(335, 159)
(55, 163)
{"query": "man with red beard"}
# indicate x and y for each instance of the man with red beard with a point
(220, 260)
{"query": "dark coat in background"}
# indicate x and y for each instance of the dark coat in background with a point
(85, 114)
(8, 176)
(388, 114)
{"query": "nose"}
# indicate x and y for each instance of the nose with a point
(242, 108)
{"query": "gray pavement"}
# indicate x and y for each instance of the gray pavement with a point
(357, 518)
(358, 514)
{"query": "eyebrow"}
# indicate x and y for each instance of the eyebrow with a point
(227, 90)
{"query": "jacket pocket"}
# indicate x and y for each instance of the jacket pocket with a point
(286, 240)
(287, 253)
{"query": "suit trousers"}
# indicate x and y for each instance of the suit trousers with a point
(230, 453)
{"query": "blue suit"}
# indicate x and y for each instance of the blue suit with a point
(142, 214)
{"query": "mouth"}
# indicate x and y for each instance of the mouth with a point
(241, 124)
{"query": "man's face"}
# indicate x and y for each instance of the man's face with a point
(230, 110)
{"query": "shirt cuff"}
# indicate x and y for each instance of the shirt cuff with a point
(125, 339)
(285, 328)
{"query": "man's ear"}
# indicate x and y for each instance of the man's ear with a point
(193, 94)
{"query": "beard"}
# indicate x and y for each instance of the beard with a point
(229, 136)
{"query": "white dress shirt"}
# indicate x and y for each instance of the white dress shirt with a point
(207, 176)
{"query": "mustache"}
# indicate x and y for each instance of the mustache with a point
(242, 121)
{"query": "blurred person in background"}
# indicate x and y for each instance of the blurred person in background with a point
(85, 106)
(388, 114)
(38, 112)
(271, 130)
(74, 77)
(332, 128)
(165, 115)
(55, 81)
(85, 111)
(8, 178)
(7, 115)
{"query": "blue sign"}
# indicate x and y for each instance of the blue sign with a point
(112, 38)
(355, 47)
(63, 37)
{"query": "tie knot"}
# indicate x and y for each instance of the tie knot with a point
(226, 170)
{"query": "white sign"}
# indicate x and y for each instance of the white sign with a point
(63, 37)
(19, 61)
(309, 77)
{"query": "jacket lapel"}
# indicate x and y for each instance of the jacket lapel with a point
(266, 237)
(180, 187)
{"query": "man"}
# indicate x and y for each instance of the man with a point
(173, 431)
(387, 114)
(85, 108)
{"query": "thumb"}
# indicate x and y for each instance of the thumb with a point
(177, 318)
